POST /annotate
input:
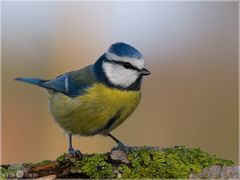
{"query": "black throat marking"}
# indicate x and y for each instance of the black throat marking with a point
(101, 76)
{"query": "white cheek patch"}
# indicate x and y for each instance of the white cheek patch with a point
(139, 63)
(118, 75)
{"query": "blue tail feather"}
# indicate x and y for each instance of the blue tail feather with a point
(31, 81)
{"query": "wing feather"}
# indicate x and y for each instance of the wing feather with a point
(73, 83)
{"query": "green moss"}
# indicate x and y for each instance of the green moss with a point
(176, 162)
(96, 166)
(61, 158)
(44, 162)
(144, 162)
(3, 172)
(9, 171)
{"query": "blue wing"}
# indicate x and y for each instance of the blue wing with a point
(71, 84)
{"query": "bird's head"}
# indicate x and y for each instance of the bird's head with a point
(123, 66)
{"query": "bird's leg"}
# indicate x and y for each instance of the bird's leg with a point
(71, 151)
(115, 139)
(121, 145)
(70, 147)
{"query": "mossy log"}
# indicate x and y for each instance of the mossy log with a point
(137, 162)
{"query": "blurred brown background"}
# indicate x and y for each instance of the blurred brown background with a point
(190, 99)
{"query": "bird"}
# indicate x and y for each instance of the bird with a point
(97, 98)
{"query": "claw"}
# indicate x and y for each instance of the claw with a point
(124, 147)
(120, 146)
(75, 153)
(71, 151)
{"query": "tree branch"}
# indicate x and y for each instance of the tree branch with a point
(136, 162)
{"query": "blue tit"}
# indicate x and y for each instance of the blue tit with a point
(97, 98)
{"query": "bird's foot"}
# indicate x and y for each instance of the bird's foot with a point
(74, 153)
(124, 147)
(121, 146)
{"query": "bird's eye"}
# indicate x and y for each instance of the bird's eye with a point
(127, 65)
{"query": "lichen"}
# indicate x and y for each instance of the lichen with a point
(44, 162)
(143, 162)
(96, 166)
(176, 162)
(61, 158)
(3, 172)
(9, 171)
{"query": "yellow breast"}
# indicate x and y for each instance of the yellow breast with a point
(98, 111)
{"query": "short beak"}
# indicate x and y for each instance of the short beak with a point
(145, 72)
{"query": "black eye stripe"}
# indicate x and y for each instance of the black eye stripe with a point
(127, 65)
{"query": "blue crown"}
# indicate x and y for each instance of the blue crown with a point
(125, 50)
